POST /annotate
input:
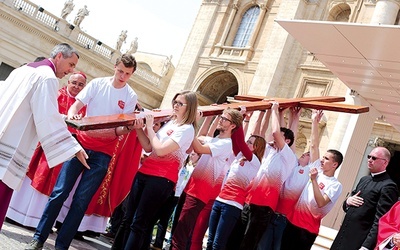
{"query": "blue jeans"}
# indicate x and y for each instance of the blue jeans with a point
(87, 187)
(222, 221)
(272, 237)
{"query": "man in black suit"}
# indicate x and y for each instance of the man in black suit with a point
(374, 195)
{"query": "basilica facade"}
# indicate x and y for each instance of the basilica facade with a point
(237, 47)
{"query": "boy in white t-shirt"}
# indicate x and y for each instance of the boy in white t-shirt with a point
(316, 200)
(292, 188)
(102, 96)
(264, 190)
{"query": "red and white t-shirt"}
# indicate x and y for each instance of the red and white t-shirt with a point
(209, 173)
(102, 98)
(293, 186)
(168, 166)
(235, 188)
(274, 170)
(307, 214)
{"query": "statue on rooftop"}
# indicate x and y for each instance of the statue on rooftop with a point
(68, 7)
(81, 15)
(121, 40)
(134, 46)
(166, 66)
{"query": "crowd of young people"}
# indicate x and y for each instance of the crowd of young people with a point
(255, 190)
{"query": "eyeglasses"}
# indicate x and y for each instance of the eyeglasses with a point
(180, 104)
(374, 158)
(224, 119)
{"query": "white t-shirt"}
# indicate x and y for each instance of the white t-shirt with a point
(183, 179)
(209, 173)
(102, 98)
(307, 214)
(234, 190)
(168, 166)
(274, 170)
(293, 186)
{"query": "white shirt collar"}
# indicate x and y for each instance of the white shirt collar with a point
(373, 174)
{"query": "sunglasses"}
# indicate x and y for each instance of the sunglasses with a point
(374, 158)
(178, 103)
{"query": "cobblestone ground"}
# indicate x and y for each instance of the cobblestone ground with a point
(14, 237)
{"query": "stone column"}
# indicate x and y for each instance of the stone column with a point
(235, 8)
(385, 12)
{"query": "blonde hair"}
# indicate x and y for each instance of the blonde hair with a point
(236, 117)
(191, 108)
(259, 146)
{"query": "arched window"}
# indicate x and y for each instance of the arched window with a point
(246, 27)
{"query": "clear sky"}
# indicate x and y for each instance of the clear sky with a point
(162, 26)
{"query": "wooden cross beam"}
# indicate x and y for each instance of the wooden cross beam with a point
(323, 102)
(252, 103)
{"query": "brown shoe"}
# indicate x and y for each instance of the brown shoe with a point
(154, 247)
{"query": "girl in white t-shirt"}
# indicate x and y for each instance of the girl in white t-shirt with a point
(229, 203)
(156, 178)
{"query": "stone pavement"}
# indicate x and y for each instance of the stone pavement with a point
(13, 237)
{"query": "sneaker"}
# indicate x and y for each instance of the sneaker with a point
(109, 235)
(34, 245)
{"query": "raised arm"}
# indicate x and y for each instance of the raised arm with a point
(314, 144)
(265, 122)
(262, 123)
(239, 144)
(213, 126)
(246, 118)
(294, 117)
(275, 126)
(282, 118)
(205, 125)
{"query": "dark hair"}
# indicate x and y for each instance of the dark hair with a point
(337, 156)
(128, 60)
(288, 134)
(39, 58)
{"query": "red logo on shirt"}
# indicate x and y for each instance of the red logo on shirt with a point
(321, 186)
(301, 171)
(121, 104)
(169, 132)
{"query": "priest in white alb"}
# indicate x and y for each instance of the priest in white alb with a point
(29, 114)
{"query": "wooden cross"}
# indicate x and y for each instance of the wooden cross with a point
(251, 102)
